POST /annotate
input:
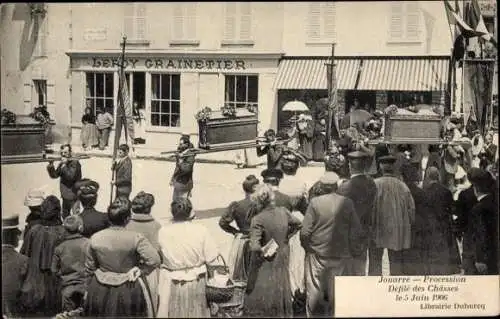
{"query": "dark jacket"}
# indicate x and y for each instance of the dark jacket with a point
(274, 155)
(331, 228)
(183, 173)
(88, 119)
(123, 176)
(68, 262)
(93, 221)
(463, 207)
(14, 271)
(241, 212)
(283, 200)
(361, 189)
(481, 238)
(32, 219)
(69, 174)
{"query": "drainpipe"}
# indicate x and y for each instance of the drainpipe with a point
(70, 40)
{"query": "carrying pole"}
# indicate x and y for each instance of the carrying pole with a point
(331, 128)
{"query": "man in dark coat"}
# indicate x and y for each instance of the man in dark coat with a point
(182, 179)
(122, 169)
(330, 235)
(273, 151)
(361, 189)
(480, 245)
(69, 171)
(93, 220)
(443, 255)
(464, 204)
(14, 268)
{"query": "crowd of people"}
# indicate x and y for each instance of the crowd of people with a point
(290, 238)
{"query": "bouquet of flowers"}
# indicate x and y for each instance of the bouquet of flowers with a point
(8, 117)
(229, 110)
(41, 114)
(204, 114)
(391, 110)
(251, 108)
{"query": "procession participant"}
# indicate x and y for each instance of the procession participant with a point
(143, 223)
(33, 201)
(442, 256)
(361, 189)
(117, 261)
(334, 162)
(89, 134)
(68, 262)
(273, 177)
(14, 268)
(268, 287)
(182, 179)
(420, 243)
(305, 127)
(393, 214)
(104, 123)
(41, 295)
(93, 220)
(183, 276)
(69, 171)
(330, 235)
(488, 152)
(122, 172)
(241, 212)
(271, 149)
(480, 244)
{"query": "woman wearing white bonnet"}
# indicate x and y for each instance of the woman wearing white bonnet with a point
(33, 201)
(461, 182)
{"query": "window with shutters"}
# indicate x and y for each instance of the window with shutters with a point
(135, 24)
(39, 92)
(166, 100)
(237, 23)
(99, 91)
(40, 27)
(405, 20)
(321, 22)
(184, 23)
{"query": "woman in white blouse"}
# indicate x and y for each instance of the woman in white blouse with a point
(186, 247)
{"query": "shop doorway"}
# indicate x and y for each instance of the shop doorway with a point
(137, 88)
(309, 97)
(367, 100)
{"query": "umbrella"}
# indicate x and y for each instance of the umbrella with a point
(295, 106)
(356, 116)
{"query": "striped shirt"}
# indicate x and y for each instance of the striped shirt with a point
(104, 120)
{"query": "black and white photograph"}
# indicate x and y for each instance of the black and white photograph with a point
(249, 159)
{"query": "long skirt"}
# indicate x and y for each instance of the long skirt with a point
(41, 294)
(89, 135)
(296, 265)
(182, 299)
(268, 289)
(126, 300)
(239, 258)
(152, 280)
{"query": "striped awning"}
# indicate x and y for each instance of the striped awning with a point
(310, 74)
(410, 74)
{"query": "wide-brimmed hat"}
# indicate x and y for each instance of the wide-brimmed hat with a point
(329, 178)
(35, 197)
(272, 173)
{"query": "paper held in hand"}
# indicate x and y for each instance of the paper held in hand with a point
(270, 249)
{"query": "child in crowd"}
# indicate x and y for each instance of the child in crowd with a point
(69, 262)
(104, 123)
(122, 168)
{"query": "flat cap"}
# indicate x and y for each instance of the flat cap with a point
(329, 178)
(388, 159)
(272, 173)
(34, 197)
(72, 223)
(86, 186)
(357, 155)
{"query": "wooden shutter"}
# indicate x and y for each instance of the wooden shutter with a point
(128, 22)
(140, 21)
(190, 17)
(412, 21)
(245, 20)
(314, 21)
(178, 21)
(396, 23)
(51, 98)
(328, 21)
(230, 21)
(27, 92)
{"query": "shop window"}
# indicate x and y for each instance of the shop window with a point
(405, 99)
(242, 90)
(40, 92)
(238, 22)
(321, 22)
(136, 82)
(404, 24)
(135, 22)
(165, 100)
(99, 91)
(184, 21)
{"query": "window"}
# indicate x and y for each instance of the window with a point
(242, 90)
(165, 100)
(40, 29)
(184, 21)
(321, 21)
(135, 22)
(238, 21)
(136, 82)
(99, 92)
(405, 21)
(40, 92)
(407, 98)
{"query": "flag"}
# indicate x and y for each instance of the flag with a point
(476, 20)
(449, 13)
(124, 119)
(127, 109)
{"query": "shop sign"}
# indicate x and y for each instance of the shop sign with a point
(165, 64)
